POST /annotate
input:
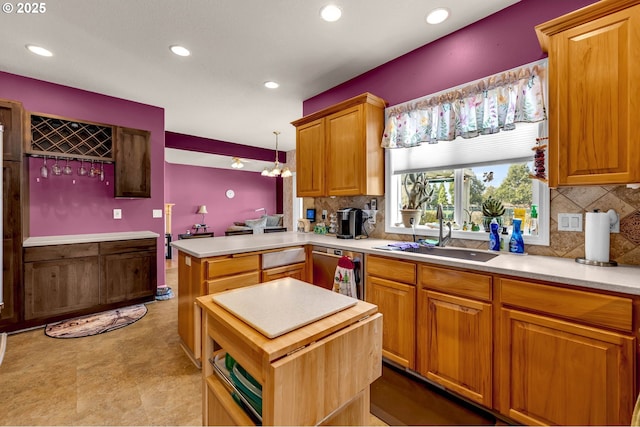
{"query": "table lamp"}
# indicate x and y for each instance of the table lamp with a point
(202, 209)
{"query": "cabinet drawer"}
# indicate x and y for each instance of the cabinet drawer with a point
(124, 246)
(233, 282)
(597, 309)
(398, 271)
(44, 253)
(462, 283)
(227, 266)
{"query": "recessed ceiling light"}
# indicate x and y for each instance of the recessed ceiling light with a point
(436, 16)
(271, 85)
(38, 50)
(331, 13)
(180, 50)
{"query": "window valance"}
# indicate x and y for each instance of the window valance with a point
(483, 107)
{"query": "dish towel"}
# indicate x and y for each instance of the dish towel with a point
(344, 281)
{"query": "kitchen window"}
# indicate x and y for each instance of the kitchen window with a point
(465, 172)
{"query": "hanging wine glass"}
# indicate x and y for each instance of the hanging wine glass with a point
(56, 169)
(82, 171)
(44, 171)
(67, 169)
(101, 171)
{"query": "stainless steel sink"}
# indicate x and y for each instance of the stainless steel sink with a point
(460, 253)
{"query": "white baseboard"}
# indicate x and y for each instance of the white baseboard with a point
(3, 346)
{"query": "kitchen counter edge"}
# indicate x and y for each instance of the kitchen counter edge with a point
(623, 278)
(87, 238)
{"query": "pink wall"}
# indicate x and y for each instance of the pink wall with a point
(190, 186)
(60, 207)
(499, 42)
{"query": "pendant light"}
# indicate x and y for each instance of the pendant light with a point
(277, 169)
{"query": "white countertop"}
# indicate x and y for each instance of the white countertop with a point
(623, 278)
(87, 238)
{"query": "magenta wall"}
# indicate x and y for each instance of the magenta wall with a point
(60, 207)
(499, 42)
(191, 186)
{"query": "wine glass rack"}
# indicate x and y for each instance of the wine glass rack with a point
(55, 136)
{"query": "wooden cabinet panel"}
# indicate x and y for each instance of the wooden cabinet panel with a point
(310, 159)
(11, 208)
(297, 271)
(61, 286)
(128, 276)
(10, 282)
(133, 163)
(233, 282)
(345, 148)
(456, 282)
(392, 269)
(455, 344)
(594, 64)
(556, 372)
(597, 309)
(12, 120)
(221, 409)
(124, 246)
(57, 252)
(230, 265)
(397, 303)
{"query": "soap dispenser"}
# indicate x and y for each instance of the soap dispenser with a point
(494, 236)
(516, 242)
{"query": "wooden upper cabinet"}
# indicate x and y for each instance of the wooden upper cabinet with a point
(132, 163)
(12, 120)
(310, 159)
(594, 79)
(338, 150)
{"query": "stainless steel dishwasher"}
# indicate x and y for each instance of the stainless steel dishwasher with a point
(325, 261)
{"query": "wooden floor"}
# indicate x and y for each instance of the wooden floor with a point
(139, 375)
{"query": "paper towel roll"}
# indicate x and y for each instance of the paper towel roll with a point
(596, 237)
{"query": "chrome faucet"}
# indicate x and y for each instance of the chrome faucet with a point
(442, 241)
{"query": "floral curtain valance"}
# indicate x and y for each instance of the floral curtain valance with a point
(488, 106)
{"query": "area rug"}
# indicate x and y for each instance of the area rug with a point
(98, 323)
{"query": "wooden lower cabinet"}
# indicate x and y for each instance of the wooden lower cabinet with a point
(397, 302)
(559, 372)
(128, 276)
(297, 271)
(455, 344)
(318, 374)
(60, 286)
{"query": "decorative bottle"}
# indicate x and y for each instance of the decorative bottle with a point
(516, 242)
(494, 236)
(534, 220)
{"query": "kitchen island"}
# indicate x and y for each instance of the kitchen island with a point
(487, 331)
(311, 372)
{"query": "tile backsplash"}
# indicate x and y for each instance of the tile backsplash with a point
(625, 246)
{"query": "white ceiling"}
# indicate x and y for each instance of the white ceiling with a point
(121, 48)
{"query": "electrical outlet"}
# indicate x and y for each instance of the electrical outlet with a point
(117, 214)
(157, 213)
(569, 222)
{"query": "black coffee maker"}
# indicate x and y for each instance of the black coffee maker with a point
(349, 223)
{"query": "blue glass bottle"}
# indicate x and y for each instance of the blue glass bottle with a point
(516, 242)
(494, 236)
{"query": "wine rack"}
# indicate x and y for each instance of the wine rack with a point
(58, 137)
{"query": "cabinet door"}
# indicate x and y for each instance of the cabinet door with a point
(397, 303)
(297, 271)
(61, 286)
(455, 344)
(556, 372)
(346, 152)
(596, 68)
(310, 159)
(11, 267)
(12, 120)
(133, 163)
(128, 276)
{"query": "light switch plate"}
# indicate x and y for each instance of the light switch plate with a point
(117, 214)
(569, 222)
(157, 213)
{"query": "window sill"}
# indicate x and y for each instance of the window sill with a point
(422, 231)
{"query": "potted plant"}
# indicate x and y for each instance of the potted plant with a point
(416, 187)
(492, 208)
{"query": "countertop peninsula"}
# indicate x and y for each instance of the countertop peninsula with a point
(87, 238)
(623, 278)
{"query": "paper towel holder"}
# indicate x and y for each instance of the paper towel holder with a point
(585, 261)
